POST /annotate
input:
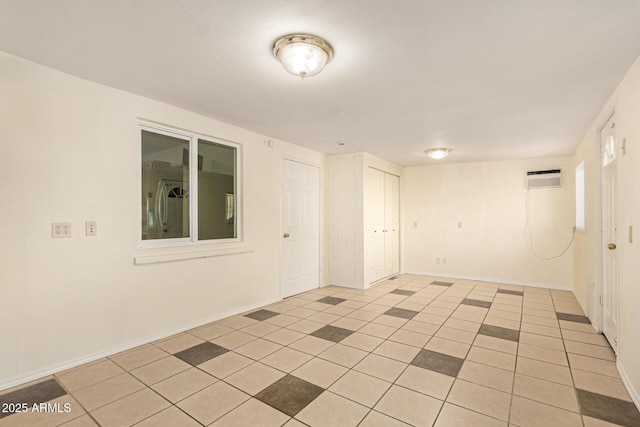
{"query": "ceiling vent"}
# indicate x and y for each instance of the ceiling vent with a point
(551, 178)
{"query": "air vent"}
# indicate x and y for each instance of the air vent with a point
(551, 178)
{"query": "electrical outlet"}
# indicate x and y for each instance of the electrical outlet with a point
(91, 228)
(437, 260)
(444, 260)
(60, 229)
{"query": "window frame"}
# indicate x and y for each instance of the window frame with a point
(193, 139)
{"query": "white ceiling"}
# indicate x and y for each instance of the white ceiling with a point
(491, 79)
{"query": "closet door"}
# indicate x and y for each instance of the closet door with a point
(376, 207)
(391, 224)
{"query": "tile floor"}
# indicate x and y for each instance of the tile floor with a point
(413, 350)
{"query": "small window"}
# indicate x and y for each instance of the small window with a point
(580, 197)
(189, 188)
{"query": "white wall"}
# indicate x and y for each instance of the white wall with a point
(69, 151)
(474, 215)
(626, 103)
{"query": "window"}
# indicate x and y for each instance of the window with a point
(189, 188)
(580, 197)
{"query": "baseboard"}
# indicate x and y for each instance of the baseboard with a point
(54, 369)
(488, 279)
(628, 385)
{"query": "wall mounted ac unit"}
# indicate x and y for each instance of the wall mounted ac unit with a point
(551, 178)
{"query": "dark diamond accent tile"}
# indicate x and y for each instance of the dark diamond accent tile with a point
(610, 409)
(476, 303)
(401, 312)
(332, 333)
(438, 362)
(34, 394)
(331, 300)
(402, 292)
(498, 332)
(261, 315)
(507, 291)
(200, 353)
(573, 318)
(438, 283)
(289, 394)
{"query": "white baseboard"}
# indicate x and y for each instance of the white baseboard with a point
(489, 279)
(63, 366)
(628, 385)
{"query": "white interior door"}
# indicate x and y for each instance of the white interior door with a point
(610, 290)
(392, 224)
(300, 228)
(375, 196)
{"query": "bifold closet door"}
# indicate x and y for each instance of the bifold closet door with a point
(376, 212)
(391, 224)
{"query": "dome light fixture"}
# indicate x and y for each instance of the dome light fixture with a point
(438, 153)
(303, 55)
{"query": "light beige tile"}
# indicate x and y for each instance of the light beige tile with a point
(420, 327)
(378, 330)
(282, 320)
(543, 354)
(376, 419)
(329, 410)
(225, 364)
(590, 350)
(343, 355)
(233, 340)
(591, 364)
(397, 351)
(498, 344)
(409, 406)
(455, 416)
(199, 405)
(83, 421)
(349, 323)
(600, 384)
(375, 308)
(576, 326)
(438, 311)
(415, 339)
(287, 359)
(179, 342)
(542, 321)
(381, 367)
(107, 391)
(541, 341)
(456, 335)
(257, 349)
(362, 341)
(363, 315)
(252, 413)
(461, 314)
(324, 318)
(488, 376)
(184, 384)
(544, 370)
(320, 372)
(211, 331)
(506, 315)
(481, 399)
(594, 422)
(588, 338)
(284, 336)
(541, 330)
(426, 381)
(130, 409)
(433, 319)
(361, 388)
(493, 358)
(254, 378)
(547, 392)
(539, 313)
(86, 375)
(392, 321)
(305, 326)
(160, 370)
(502, 323)
(527, 413)
(237, 322)
(506, 307)
(452, 348)
(312, 345)
(170, 417)
(260, 329)
(463, 325)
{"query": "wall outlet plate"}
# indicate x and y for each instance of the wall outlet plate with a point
(60, 230)
(91, 228)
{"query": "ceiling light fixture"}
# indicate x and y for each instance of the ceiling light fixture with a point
(303, 55)
(438, 153)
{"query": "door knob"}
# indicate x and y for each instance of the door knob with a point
(611, 246)
(285, 235)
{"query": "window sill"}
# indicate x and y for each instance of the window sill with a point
(186, 255)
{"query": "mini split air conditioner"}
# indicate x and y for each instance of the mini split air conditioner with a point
(551, 178)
